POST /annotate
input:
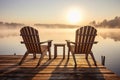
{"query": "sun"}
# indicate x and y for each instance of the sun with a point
(74, 16)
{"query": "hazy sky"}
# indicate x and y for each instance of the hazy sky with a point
(57, 11)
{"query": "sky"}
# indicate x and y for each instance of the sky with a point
(78, 12)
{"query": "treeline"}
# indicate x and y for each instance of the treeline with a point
(10, 25)
(56, 25)
(113, 23)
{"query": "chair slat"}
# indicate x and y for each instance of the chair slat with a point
(26, 39)
(84, 39)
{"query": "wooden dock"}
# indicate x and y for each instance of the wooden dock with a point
(54, 69)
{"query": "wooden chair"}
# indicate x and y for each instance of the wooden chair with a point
(34, 46)
(84, 41)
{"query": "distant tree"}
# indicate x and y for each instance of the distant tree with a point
(93, 23)
(104, 23)
(1, 23)
(113, 23)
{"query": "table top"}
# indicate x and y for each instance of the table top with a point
(59, 44)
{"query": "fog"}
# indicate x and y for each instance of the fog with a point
(105, 33)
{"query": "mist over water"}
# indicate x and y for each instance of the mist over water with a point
(109, 33)
(108, 43)
(105, 33)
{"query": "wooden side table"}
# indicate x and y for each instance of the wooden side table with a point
(55, 49)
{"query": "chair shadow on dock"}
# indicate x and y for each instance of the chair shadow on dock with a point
(53, 69)
(26, 71)
(65, 70)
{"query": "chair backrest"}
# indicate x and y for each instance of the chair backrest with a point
(84, 39)
(31, 39)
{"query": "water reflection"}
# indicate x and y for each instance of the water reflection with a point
(112, 35)
(9, 32)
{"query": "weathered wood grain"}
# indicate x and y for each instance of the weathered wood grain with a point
(54, 69)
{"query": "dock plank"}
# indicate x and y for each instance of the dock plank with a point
(54, 69)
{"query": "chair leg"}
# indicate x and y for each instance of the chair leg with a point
(49, 53)
(40, 59)
(93, 58)
(86, 56)
(68, 53)
(34, 55)
(74, 59)
(23, 58)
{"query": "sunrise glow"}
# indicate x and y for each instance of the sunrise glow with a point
(74, 16)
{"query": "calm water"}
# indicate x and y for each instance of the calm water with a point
(108, 43)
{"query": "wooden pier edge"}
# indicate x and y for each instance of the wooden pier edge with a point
(54, 69)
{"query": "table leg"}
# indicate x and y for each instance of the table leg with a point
(55, 52)
(63, 52)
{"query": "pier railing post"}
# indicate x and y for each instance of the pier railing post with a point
(103, 60)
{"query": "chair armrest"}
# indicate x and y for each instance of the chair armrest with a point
(69, 42)
(95, 42)
(22, 42)
(48, 41)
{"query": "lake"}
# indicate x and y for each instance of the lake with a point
(108, 43)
